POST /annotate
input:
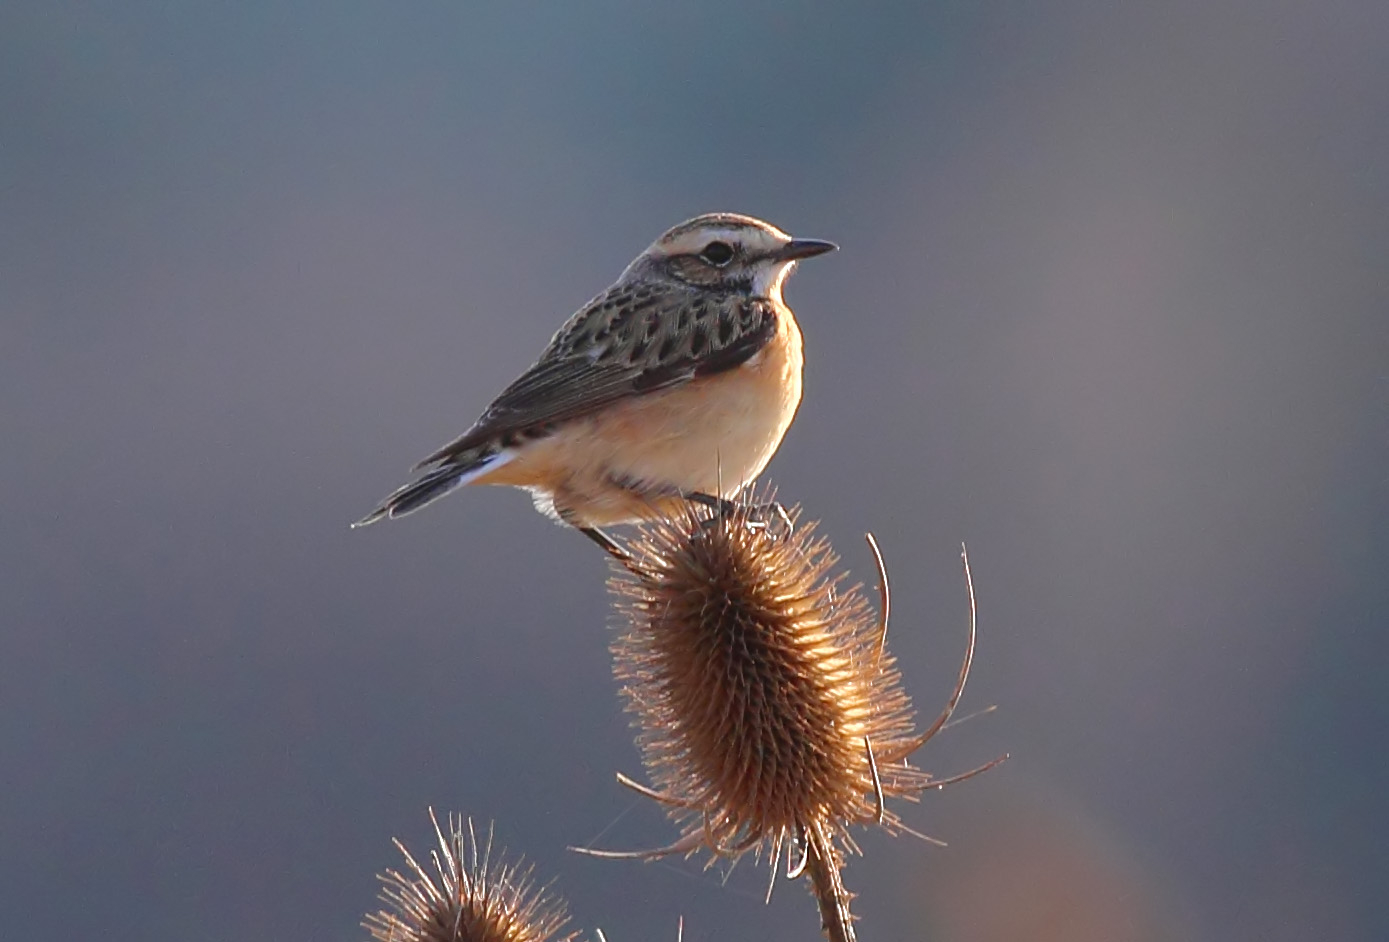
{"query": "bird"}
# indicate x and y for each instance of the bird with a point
(677, 383)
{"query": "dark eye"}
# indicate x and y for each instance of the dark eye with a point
(717, 254)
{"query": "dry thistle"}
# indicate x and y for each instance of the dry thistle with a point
(770, 715)
(472, 899)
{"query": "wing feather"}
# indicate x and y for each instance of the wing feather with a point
(621, 345)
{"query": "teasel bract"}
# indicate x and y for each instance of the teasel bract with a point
(471, 897)
(770, 716)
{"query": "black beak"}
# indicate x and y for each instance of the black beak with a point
(797, 249)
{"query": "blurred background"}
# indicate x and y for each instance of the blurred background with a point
(1111, 307)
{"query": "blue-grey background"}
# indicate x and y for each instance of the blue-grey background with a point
(1112, 306)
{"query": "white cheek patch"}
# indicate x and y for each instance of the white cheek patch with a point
(768, 279)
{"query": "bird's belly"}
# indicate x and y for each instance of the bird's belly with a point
(712, 435)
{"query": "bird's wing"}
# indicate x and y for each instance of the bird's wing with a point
(624, 343)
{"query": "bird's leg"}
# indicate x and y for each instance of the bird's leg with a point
(607, 543)
(723, 505)
(760, 516)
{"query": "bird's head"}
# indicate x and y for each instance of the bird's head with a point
(727, 252)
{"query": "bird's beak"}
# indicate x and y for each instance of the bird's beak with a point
(797, 249)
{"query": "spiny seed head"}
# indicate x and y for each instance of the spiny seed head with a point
(757, 682)
(470, 898)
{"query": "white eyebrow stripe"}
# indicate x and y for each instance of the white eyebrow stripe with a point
(692, 242)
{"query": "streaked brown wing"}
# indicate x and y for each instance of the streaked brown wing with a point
(640, 349)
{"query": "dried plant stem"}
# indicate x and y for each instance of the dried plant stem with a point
(827, 886)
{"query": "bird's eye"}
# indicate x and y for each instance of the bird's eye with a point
(717, 254)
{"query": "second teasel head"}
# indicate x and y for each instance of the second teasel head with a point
(471, 896)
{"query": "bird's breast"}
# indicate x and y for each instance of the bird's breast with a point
(717, 429)
(713, 434)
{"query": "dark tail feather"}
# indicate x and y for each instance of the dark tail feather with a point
(416, 494)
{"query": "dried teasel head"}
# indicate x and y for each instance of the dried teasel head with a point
(770, 715)
(471, 897)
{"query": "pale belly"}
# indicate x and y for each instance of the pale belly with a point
(711, 436)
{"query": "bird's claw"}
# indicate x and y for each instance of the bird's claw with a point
(771, 518)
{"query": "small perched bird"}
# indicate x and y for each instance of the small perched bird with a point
(677, 383)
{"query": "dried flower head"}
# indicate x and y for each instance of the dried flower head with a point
(473, 898)
(770, 715)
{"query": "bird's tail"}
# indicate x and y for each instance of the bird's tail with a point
(434, 484)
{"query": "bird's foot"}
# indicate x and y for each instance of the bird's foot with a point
(773, 518)
(770, 517)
